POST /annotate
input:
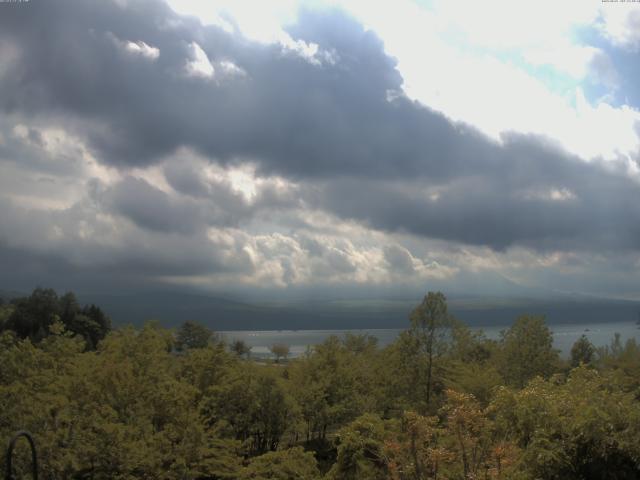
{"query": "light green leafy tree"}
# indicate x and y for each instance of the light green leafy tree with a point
(361, 450)
(291, 464)
(527, 351)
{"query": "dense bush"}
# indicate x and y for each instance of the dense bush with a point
(440, 402)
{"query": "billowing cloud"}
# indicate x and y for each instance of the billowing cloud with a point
(622, 25)
(140, 141)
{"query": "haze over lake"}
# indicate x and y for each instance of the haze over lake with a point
(564, 335)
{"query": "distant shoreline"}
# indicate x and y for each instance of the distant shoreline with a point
(564, 334)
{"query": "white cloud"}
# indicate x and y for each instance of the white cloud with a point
(460, 58)
(143, 49)
(199, 64)
(452, 58)
(139, 48)
(206, 11)
(508, 24)
(465, 60)
(231, 69)
(260, 21)
(620, 24)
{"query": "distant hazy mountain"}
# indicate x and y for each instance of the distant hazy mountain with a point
(172, 308)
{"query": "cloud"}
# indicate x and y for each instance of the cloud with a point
(399, 259)
(620, 24)
(192, 153)
(151, 208)
(199, 65)
(139, 48)
(532, 195)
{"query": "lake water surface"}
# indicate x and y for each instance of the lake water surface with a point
(564, 335)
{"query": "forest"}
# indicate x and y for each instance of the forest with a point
(441, 402)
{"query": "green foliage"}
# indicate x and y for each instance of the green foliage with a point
(430, 326)
(192, 335)
(415, 364)
(586, 427)
(479, 380)
(527, 351)
(360, 344)
(279, 350)
(471, 364)
(332, 385)
(582, 352)
(33, 316)
(251, 405)
(361, 450)
(134, 408)
(5, 312)
(291, 464)
(119, 413)
(240, 348)
(623, 361)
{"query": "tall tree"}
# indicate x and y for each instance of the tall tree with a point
(192, 335)
(69, 308)
(582, 351)
(33, 315)
(527, 351)
(431, 325)
(240, 348)
(92, 324)
(280, 350)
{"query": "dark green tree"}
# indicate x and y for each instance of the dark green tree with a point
(69, 308)
(192, 335)
(91, 323)
(582, 351)
(33, 315)
(240, 348)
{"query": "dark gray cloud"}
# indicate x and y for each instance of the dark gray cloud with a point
(186, 179)
(152, 208)
(337, 127)
(201, 203)
(540, 198)
(294, 117)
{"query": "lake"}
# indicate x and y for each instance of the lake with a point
(564, 335)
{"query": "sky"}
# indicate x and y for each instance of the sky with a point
(292, 147)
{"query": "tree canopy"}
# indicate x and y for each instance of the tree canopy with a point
(132, 407)
(34, 317)
(192, 335)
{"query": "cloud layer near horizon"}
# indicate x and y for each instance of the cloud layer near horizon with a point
(140, 148)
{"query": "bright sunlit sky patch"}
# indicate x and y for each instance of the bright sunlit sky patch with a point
(533, 69)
